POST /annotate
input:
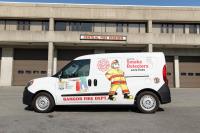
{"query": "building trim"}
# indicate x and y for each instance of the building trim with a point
(6, 67)
(50, 58)
(176, 71)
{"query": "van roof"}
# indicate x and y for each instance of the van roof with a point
(112, 55)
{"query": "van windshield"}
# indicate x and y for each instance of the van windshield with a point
(76, 68)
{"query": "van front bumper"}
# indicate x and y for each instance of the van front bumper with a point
(165, 95)
(27, 97)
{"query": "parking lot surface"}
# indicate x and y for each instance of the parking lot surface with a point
(180, 116)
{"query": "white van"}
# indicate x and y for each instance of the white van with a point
(104, 79)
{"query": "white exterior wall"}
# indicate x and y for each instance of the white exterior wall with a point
(50, 58)
(176, 72)
(6, 67)
(150, 47)
(55, 61)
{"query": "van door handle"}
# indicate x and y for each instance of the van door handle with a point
(95, 82)
(89, 82)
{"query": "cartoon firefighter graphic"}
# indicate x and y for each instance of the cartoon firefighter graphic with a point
(116, 76)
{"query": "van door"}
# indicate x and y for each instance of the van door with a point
(73, 82)
(99, 84)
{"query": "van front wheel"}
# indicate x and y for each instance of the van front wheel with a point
(43, 103)
(147, 102)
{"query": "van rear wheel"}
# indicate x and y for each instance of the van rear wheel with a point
(147, 102)
(43, 103)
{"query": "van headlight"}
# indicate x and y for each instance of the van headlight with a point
(29, 83)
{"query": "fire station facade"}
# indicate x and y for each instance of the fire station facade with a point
(37, 40)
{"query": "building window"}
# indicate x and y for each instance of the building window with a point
(2, 25)
(43, 72)
(169, 74)
(23, 25)
(45, 25)
(197, 74)
(60, 26)
(33, 25)
(119, 27)
(10, 25)
(35, 72)
(27, 72)
(20, 72)
(137, 28)
(183, 74)
(99, 27)
(133, 28)
(193, 28)
(86, 27)
(179, 28)
(190, 74)
(75, 26)
(167, 28)
(110, 27)
(156, 28)
(142, 28)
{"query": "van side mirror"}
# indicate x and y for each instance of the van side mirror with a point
(60, 75)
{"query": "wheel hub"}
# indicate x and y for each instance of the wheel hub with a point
(148, 102)
(42, 103)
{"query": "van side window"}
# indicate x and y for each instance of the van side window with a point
(77, 68)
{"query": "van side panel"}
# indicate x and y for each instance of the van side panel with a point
(108, 81)
(139, 70)
(144, 71)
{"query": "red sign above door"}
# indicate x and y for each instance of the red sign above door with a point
(103, 37)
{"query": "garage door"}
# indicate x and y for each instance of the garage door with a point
(189, 71)
(170, 70)
(65, 56)
(29, 64)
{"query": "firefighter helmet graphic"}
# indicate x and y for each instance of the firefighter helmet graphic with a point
(115, 64)
(116, 76)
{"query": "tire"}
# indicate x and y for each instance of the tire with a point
(147, 102)
(43, 103)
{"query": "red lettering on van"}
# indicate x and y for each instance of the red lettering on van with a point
(134, 63)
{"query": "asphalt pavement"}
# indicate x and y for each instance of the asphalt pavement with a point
(180, 116)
